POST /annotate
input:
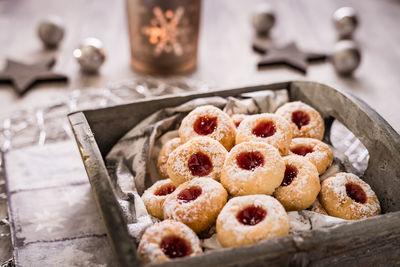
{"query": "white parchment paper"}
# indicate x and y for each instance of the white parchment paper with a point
(133, 168)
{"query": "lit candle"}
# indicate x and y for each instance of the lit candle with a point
(163, 34)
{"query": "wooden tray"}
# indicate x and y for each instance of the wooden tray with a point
(367, 242)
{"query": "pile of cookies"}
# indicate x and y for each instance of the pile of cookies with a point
(243, 173)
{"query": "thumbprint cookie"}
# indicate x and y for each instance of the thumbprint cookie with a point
(316, 151)
(300, 185)
(304, 120)
(166, 149)
(196, 203)
(267, 128)
(155, 196)
(211, 122)
(248, 220)
(252, 168)
(168, 240)
(346, 196)
(199, 157)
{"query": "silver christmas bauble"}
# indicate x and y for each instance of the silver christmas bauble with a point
(263, 20)
(346, 57)
(346, 21)
(51, 31)
(90, 54)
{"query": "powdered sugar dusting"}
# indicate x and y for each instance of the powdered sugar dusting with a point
(154, 202)
(304, 189)
(317, 207)
(201, 212)
(165, 151)
(342, 202)
(238, 118)
(263, 179)
(149, 249)
(224, 133)
(321, 157)
(232, 232)
(178, 168)
(314, 129)
(180, 113)
(281, 139)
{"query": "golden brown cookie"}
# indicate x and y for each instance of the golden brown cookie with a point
(165, 151)
(238, 118)
(199, 157)
(318, 208)
(168, 240)
(248, 220)
(211, 122)
(346, 196)
(252, 168)
(155, 196)
(300, 186)
(316, 151)
(267, 128)
(196, 203)
(304, 120)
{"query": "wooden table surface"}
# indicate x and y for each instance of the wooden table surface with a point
(225, 57)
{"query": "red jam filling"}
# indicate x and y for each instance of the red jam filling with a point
(175, 247)
(205, 125)
(237, 123)
(302, 150)
(290, 174)
(264, 129)
(165, 190)
(200, 164)
(251, 215)
(189, 194)
(300, 118)
(356, 193)
(250, 160)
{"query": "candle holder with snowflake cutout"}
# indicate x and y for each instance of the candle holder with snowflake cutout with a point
(163, 35)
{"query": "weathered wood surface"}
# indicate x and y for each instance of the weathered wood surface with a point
(226, 59)
(375, 240)
(382, 142)
(343, 246)
(225, 31)
(121, 243)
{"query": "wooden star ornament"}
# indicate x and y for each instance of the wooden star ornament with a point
(288, 54)
(24, 76)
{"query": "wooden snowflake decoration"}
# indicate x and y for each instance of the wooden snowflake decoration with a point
(164, 31)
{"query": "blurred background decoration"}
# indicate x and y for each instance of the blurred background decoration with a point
(114, 52)
(163, 35)
(90, 55)
(51, 31)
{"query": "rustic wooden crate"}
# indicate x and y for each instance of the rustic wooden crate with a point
(368, 242)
